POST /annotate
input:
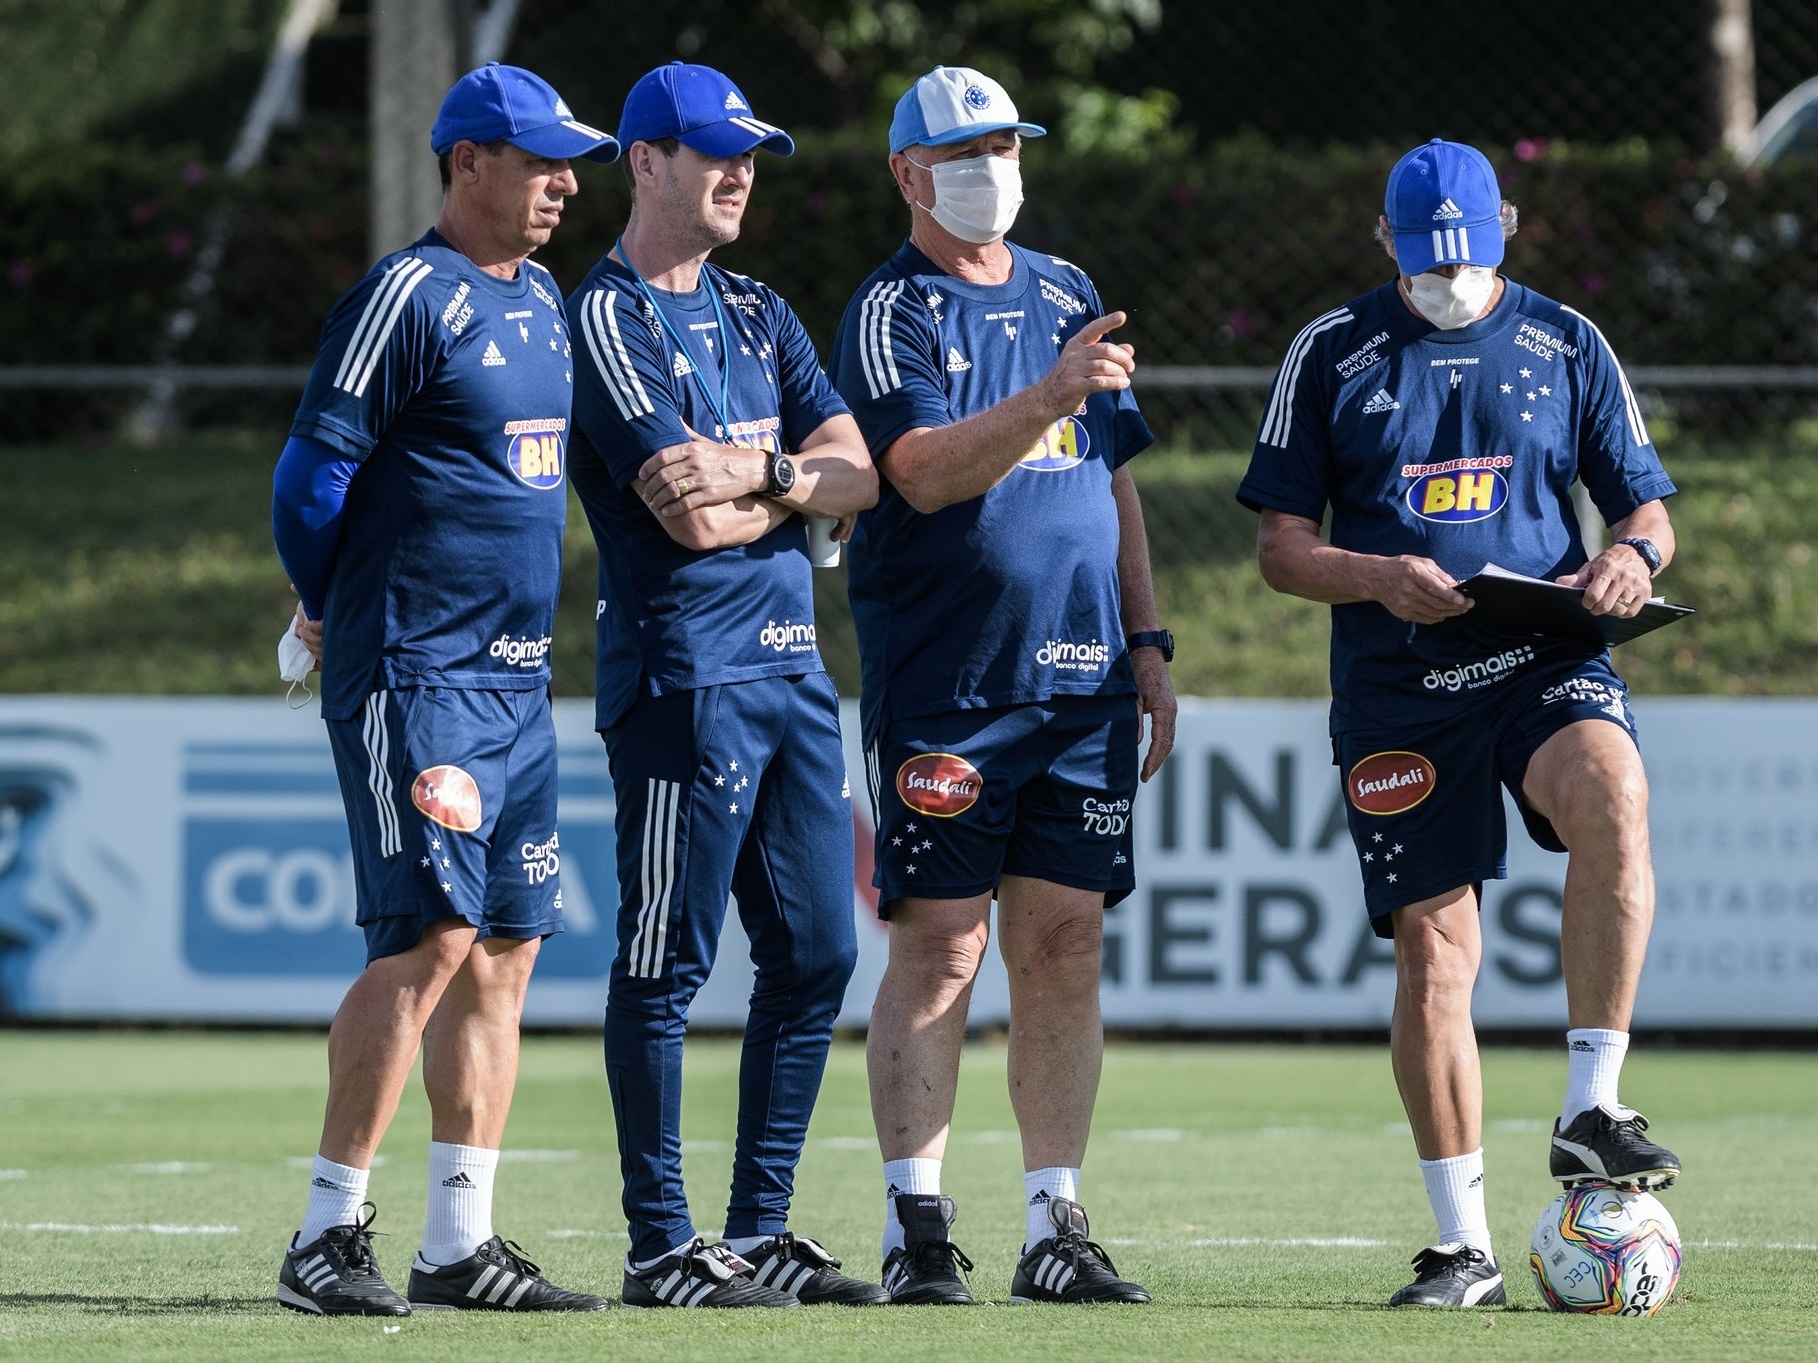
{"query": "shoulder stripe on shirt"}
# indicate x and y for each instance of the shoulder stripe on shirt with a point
(600, 327)
(656, 878)
(1637, 427)
(875, 351)
(1280, 415)
(377, 322)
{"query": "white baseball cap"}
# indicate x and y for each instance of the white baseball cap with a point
(954, 104)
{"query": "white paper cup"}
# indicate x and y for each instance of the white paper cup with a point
(823, 549)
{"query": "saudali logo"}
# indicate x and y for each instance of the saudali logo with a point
(939, 783)
(1062, 445)
(1390, 782)
(535, 451)
(449, 796)
(1467, 495)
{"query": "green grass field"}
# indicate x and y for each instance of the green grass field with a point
(1266, 1195)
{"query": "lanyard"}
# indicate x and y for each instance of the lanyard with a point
(723, 408)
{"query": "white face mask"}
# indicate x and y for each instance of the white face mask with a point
(976, 199)
(1455, 302)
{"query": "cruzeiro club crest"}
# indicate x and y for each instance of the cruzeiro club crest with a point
(1063, 445)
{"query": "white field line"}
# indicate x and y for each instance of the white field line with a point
(11, 1173)
(1297, 1242)
(72, 1228)
(174, 1166)
(568, 1233)
(308, 1161)
(538, 1156)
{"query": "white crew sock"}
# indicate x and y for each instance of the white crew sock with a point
(335, 1194)
(743, 1244)
(1593, 1065)
(1040, 1187)
(1455, 1190)
(460, 1202)
(905, 1176)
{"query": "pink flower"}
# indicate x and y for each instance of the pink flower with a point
(177, 245)
(1531, 149)
(194, 173)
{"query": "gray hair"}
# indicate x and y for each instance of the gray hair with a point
(1510, 217)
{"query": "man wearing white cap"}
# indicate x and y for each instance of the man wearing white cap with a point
(1442, 418)
(418, 507)
(1010, 646)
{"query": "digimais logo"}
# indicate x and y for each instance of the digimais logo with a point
(1390, 782)
(520, 652)
(1480, 673)
(787, 637)
(1069, 656)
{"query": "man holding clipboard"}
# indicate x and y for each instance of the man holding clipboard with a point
(1443, 418)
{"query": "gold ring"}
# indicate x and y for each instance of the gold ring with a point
(681, 487)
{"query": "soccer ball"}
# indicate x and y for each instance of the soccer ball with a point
(1605, 1251)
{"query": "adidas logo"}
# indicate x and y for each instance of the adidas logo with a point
(493, 357)
(734, 102)
(1581, 1045)
(681, 368)
(893, 1191)
(458, 1180)
(1382, 402)
(1476, 1182)
(1447, 211)
(1040, 1198)
(956, 362)
(562, 110)
(319, 1182)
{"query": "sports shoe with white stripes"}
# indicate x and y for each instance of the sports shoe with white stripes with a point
(495, 1277)
(925, 1271)
(699, 1275)
(1609, 1145)
(1453, 1275)
(336, 1274)
(1067, 1267)
(799, 1266)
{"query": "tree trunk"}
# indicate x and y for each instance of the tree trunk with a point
(1732, 72)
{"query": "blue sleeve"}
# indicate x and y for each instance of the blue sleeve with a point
(1617, 462)
(809, 398)
(624, 394)
(380, 346)
(1290, 466)
(308, 492)
(887, 364)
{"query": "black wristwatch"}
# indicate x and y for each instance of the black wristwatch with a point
(1649, 554)
(781, 476)
(1153, 638)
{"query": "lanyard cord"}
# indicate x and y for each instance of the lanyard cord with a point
(723, 408)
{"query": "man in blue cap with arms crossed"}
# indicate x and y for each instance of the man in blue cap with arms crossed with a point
(705, 431)
(1443, 418)
(418, 507)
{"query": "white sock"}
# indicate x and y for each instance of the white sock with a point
(460, 1202)
(1593, 1065)
(905, 1176)
(743, 1244)
(1040, 1187)
(335, 1194)
(1455, 1190)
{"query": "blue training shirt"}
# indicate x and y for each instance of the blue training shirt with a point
(452, 387)
(1459, 446)
(1012, 597)
(671, 618)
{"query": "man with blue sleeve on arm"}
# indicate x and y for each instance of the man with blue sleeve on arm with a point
(419, 508)
(1007, 626)
(705, 431)
(1443, 419)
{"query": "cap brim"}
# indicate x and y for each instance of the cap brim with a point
(972, 130)
(569, 141)
(1421, 250)
(736, 136)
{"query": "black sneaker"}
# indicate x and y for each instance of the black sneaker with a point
(797, 1265)
(925, 1271)
(495, 1277)
(1453, 1275)
(1067, 1267)
(337, 1275)
(699, 1275)
(1606, 1145)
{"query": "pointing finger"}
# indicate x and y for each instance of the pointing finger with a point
(1097, 327)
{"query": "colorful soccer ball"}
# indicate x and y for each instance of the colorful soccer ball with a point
(1605, 1251)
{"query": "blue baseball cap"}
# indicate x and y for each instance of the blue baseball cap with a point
(954, 104)
(702, 109)
(1444, 207)
(509, 104)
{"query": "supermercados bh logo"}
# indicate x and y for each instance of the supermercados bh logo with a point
(1459, 489)
(534, 450)
(1062, 445)
(941, 784)
(1390, 782)
(268, 878)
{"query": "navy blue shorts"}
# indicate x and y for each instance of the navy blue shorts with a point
(1423, 802)
(962, 799)
(451, 805)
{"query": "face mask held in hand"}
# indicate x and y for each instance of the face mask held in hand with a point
(976, 199)
(1455, 302)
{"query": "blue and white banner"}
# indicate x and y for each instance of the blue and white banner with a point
(188, 859)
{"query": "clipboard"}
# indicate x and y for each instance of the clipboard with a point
(1531, 605)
